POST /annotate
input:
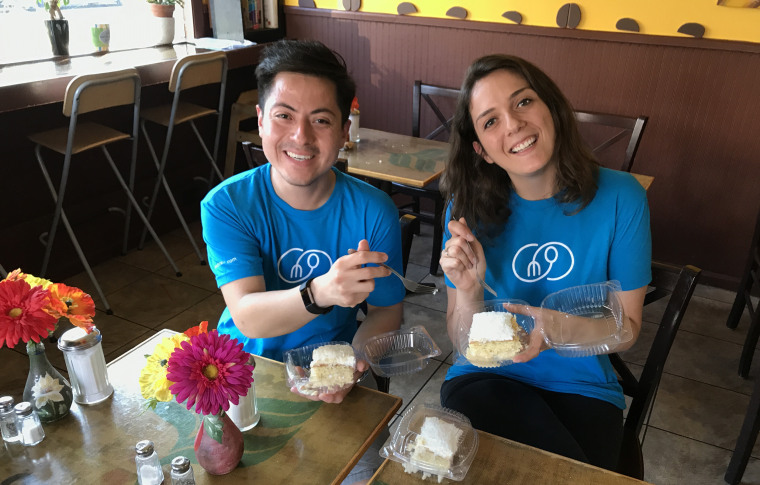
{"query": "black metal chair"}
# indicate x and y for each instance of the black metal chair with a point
(437, 99)
(750, 278)
(605, 131)
(678, 283)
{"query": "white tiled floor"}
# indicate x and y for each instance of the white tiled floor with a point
(697, 415)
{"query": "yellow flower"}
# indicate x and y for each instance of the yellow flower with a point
(153, 382)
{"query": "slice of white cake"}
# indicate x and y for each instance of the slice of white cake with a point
(332, 366)
(493, 339)
(433, 448)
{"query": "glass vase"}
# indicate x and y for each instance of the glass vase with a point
(46, 389)
(218, 444)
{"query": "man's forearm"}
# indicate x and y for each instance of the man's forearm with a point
(379, 320)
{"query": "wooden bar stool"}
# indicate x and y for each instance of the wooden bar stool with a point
(84, 94)
(188, 72)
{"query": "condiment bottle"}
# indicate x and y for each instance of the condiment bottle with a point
(28, 424)
(86, 364)
(245, 414)
(182, 472)
(8, 426)
(148, 467)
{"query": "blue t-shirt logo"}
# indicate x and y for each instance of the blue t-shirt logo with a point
(297, 265)
(552, 260)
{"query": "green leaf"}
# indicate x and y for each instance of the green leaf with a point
(213, 426)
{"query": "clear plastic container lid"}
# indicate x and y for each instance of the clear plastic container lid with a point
(298, 364)
(433, 440)
(600, 327)
(488, 344)
(401, 351)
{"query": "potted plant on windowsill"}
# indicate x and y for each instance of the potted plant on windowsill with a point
(57, 26)
(164, 8)
(163, 11)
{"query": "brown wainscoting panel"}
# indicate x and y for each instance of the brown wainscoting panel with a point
(700, 95)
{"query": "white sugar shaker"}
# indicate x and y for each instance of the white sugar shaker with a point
(149, 470)
(28, 424)
(8, 426)
(86, 364)
(182, 472)
(245, 414)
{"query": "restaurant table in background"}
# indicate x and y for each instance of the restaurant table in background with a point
(500, 460)
(297, 441)
(391, 157)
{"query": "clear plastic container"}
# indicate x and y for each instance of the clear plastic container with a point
(412, 447)
(584, 320)
(298, 366)
(401, 351)
(506, 349)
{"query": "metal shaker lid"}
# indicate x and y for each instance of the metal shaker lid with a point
(78, 339)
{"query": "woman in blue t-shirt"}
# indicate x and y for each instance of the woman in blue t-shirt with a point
(531, 212)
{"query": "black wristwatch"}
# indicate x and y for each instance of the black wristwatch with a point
(308, 299)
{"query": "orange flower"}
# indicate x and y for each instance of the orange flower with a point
(200, 328)
(355, 105)
(72, 303)
(22, 313)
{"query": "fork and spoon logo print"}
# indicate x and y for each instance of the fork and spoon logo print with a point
(297, 264)
(553, 261)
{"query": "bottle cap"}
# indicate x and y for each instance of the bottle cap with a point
(78, 339)
(180, 464)
(23, 409)
(6, 404)
(144, 447)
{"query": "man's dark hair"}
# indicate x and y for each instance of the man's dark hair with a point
(308, 57)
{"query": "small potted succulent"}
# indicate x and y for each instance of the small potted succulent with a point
(57, 26)
(164, 8)
(163, 11)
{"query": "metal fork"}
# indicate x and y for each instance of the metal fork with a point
(480, 280)
(411, 285)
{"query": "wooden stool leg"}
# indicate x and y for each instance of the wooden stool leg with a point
(746, 440)
(750, 341)
(231, 153)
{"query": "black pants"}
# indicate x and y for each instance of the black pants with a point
(579, 427)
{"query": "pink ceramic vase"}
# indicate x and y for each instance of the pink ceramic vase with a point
(218, 445)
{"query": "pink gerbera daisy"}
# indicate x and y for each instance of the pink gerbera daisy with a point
(210, 371)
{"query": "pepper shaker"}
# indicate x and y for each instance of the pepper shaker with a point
(182, 472)
(8, 426)
(28, 424)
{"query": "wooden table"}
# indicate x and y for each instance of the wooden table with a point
(392, 157)
(499, 460)
(297, 441)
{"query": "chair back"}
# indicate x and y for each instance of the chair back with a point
(438, 99)
(607, 134)
(91, 92)
(198, 70)
(677, 284)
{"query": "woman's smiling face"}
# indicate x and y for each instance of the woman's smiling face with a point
(514, 126)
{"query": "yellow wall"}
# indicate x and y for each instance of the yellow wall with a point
(655, 17)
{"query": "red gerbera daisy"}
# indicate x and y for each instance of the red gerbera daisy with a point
(22, 313)
(210, 371)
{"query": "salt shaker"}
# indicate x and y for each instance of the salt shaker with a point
(182, 472)
(28, 424)
(8, 420)
(245, 414)
(86, 364)
(148, 467)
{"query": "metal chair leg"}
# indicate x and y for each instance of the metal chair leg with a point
(139, 212)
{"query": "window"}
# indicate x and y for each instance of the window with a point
(23, 36)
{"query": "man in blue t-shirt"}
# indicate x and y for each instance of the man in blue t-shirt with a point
(278, 236)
